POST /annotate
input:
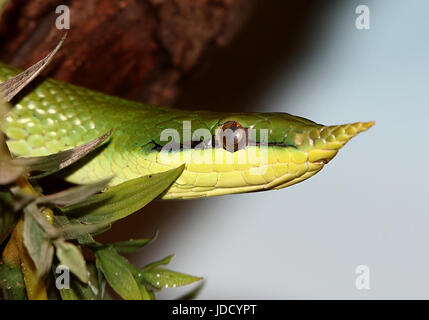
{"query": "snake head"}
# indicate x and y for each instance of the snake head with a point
(277, 150)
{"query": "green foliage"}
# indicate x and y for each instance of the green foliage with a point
(84, 291)
(38, 244)
(124, 199)
(76, 215)
(159, 278)
(12, 282)
(131, 245)
(70, 255)
(138, 283)
(119, 273)
(65, 222)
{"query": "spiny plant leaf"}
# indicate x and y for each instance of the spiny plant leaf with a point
(38, 244)
(55, 162)
(124, 199)
(70, 256)
(117, 271)
(75, 229)
(13, 86)
(145, 293)
(73, 195)
(131, 245)
(84, 238)
(11, 169)
(161, 262)
(159, 278)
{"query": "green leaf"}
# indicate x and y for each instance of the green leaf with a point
(146, 294)
(73, 195)
(77, 230)
(8, 217)
(124, 199)
(160, 278)
(79, 290)
(65, 293)
(70, 256)
(12, 282)
(62, 222)
(69, 294)
(137, 273)
(151, 295)
(38, 244)
(102, 294)
(131, 245)
(117, 271)
(161, 262)
(83, 290)
(193, 293)
(86, 239)
(73, 229)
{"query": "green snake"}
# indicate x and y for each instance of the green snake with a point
(56, 116)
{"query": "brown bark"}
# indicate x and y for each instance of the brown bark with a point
(139, 49)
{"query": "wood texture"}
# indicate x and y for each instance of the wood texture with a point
(139, 49)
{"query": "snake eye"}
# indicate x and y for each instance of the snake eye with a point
(232, 136)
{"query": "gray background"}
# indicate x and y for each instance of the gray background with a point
(368, 206)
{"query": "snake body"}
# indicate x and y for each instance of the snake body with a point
(55, 116)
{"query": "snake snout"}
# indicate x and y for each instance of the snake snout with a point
(330, 139)
(343, 133)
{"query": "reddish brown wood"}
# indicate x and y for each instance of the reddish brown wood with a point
(140, 49)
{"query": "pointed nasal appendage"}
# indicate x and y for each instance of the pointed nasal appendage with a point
(328, 140)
